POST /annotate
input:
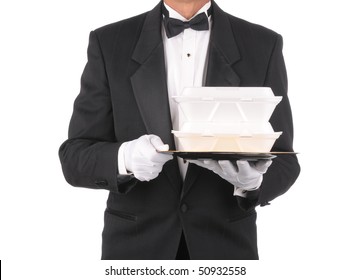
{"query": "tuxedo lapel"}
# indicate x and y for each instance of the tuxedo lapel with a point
(150, 88)
(149, 81)
(223, 53)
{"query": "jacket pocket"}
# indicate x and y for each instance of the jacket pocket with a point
(242, 217)
(122, 215)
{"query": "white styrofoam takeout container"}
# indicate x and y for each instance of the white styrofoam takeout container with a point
(229, 92)
(227, 104)
(195, 142)
(240, 128)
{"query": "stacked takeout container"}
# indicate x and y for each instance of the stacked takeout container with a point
(226, 119)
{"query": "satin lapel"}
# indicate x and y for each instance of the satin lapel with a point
(223, 53)
(150, 88)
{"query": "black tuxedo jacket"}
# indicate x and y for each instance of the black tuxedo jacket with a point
(124, 95)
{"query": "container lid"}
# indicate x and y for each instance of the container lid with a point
(227, 104)
(241, 128)
(273, 135)
(227, 111)
(229, 92)
(182, 98)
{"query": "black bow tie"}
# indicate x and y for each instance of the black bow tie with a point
(174, 26)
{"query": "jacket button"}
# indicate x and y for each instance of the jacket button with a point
(184, 208)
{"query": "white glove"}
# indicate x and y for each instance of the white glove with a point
(245, 175)
(142, 159)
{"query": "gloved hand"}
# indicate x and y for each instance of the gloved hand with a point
(246, 175)
(142, 159)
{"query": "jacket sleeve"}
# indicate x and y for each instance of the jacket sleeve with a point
(285, 169)
(89, 155)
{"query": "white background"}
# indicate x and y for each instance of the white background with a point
(47, 224)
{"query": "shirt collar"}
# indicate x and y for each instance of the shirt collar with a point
(176, 15)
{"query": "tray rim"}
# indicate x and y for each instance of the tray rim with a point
(252, 156)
